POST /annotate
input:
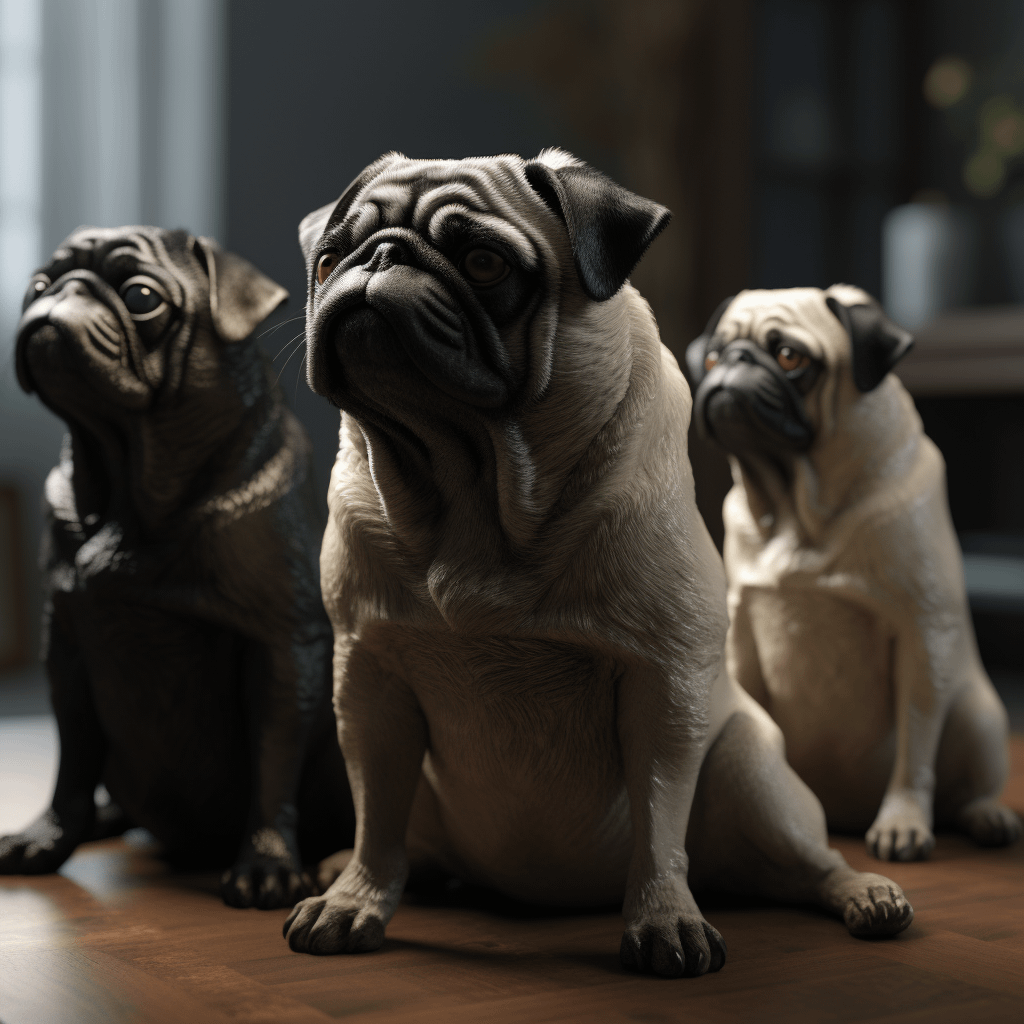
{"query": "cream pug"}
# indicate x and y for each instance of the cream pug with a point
(529, 614)
(849, 622)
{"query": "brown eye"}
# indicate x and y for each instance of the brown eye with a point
(325, 265)
(710, 360)
(482, 266)
(790, 359)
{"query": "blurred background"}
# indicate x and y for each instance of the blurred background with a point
(798, 142)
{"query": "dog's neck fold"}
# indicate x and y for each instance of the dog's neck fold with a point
(145, 472)
(469, 501)
(873, 443)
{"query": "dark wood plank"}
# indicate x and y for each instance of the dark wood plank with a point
(118, 937)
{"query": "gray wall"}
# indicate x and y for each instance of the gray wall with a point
(127, 128)
(235, 118)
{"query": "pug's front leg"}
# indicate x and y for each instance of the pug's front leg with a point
(383, 736)
(662, 730)
(285, 681)
(44, 845)
(902, 829)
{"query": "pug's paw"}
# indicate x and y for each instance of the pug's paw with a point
(42, 847)
(875, 906)
(901, 831)
(683, 947)
(336, 924)
(266, 875)
(990, 823)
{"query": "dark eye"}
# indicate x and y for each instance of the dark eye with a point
(790, 359)
(481, 266)
(36, 287)
(325, 265)
(142, 298)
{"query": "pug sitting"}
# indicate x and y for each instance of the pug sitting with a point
(528, 611)
(185, 640)
(849, 621)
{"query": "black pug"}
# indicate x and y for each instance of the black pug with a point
(184, 635)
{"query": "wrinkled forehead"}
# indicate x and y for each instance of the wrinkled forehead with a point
(105, 249)
(438, 197)
(799, 314)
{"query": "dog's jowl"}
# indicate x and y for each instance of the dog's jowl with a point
(529, 615)
(849, 621)
(185, 638)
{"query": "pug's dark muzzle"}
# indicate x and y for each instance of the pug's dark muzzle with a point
(747, 404)
(396, 301)
(80, 327)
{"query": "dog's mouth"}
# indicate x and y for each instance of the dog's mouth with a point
(747, 408)
(76, 330)
(397, 307)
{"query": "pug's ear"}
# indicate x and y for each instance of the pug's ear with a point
(313, 225)
(877, 344)
(698, 348)
(609, 227)
(241, 297)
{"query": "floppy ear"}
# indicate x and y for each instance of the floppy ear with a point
(697, 349)
(877, 344)
(609, 227)
(241, 297)
(311, 227)
(314, 224)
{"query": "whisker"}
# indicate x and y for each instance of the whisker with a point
(288, 360)
(295, 390)
(290, 320)
(290, 341)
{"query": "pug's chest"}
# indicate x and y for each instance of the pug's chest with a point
(113, 563)
(826, 663)
(515, 712)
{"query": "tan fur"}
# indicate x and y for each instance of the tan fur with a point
(849, 619)
(528, 655)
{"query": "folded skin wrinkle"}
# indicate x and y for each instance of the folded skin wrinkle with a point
(529, 615)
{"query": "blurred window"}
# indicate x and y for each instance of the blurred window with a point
(20, 156)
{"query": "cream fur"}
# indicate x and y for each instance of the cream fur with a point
(849, 619)
(528, 647)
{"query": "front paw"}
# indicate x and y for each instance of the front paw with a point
(901, 831)
(337, 923)
(42, 847)
(875, 907)
(683, 946)
(267, 875)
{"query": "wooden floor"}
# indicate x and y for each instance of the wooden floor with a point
(115, 938)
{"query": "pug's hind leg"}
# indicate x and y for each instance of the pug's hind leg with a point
(758, 829)
(972, 767)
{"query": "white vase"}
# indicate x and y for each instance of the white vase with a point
(927, 261)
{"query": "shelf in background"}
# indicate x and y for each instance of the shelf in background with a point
(975, 350)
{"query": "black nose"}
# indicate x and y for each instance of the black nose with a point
(738, 354)
(387, 254)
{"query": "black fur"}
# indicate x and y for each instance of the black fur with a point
(185, 639)
(698, 348)
(609, 227)
(746, 403)
(877, 343)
